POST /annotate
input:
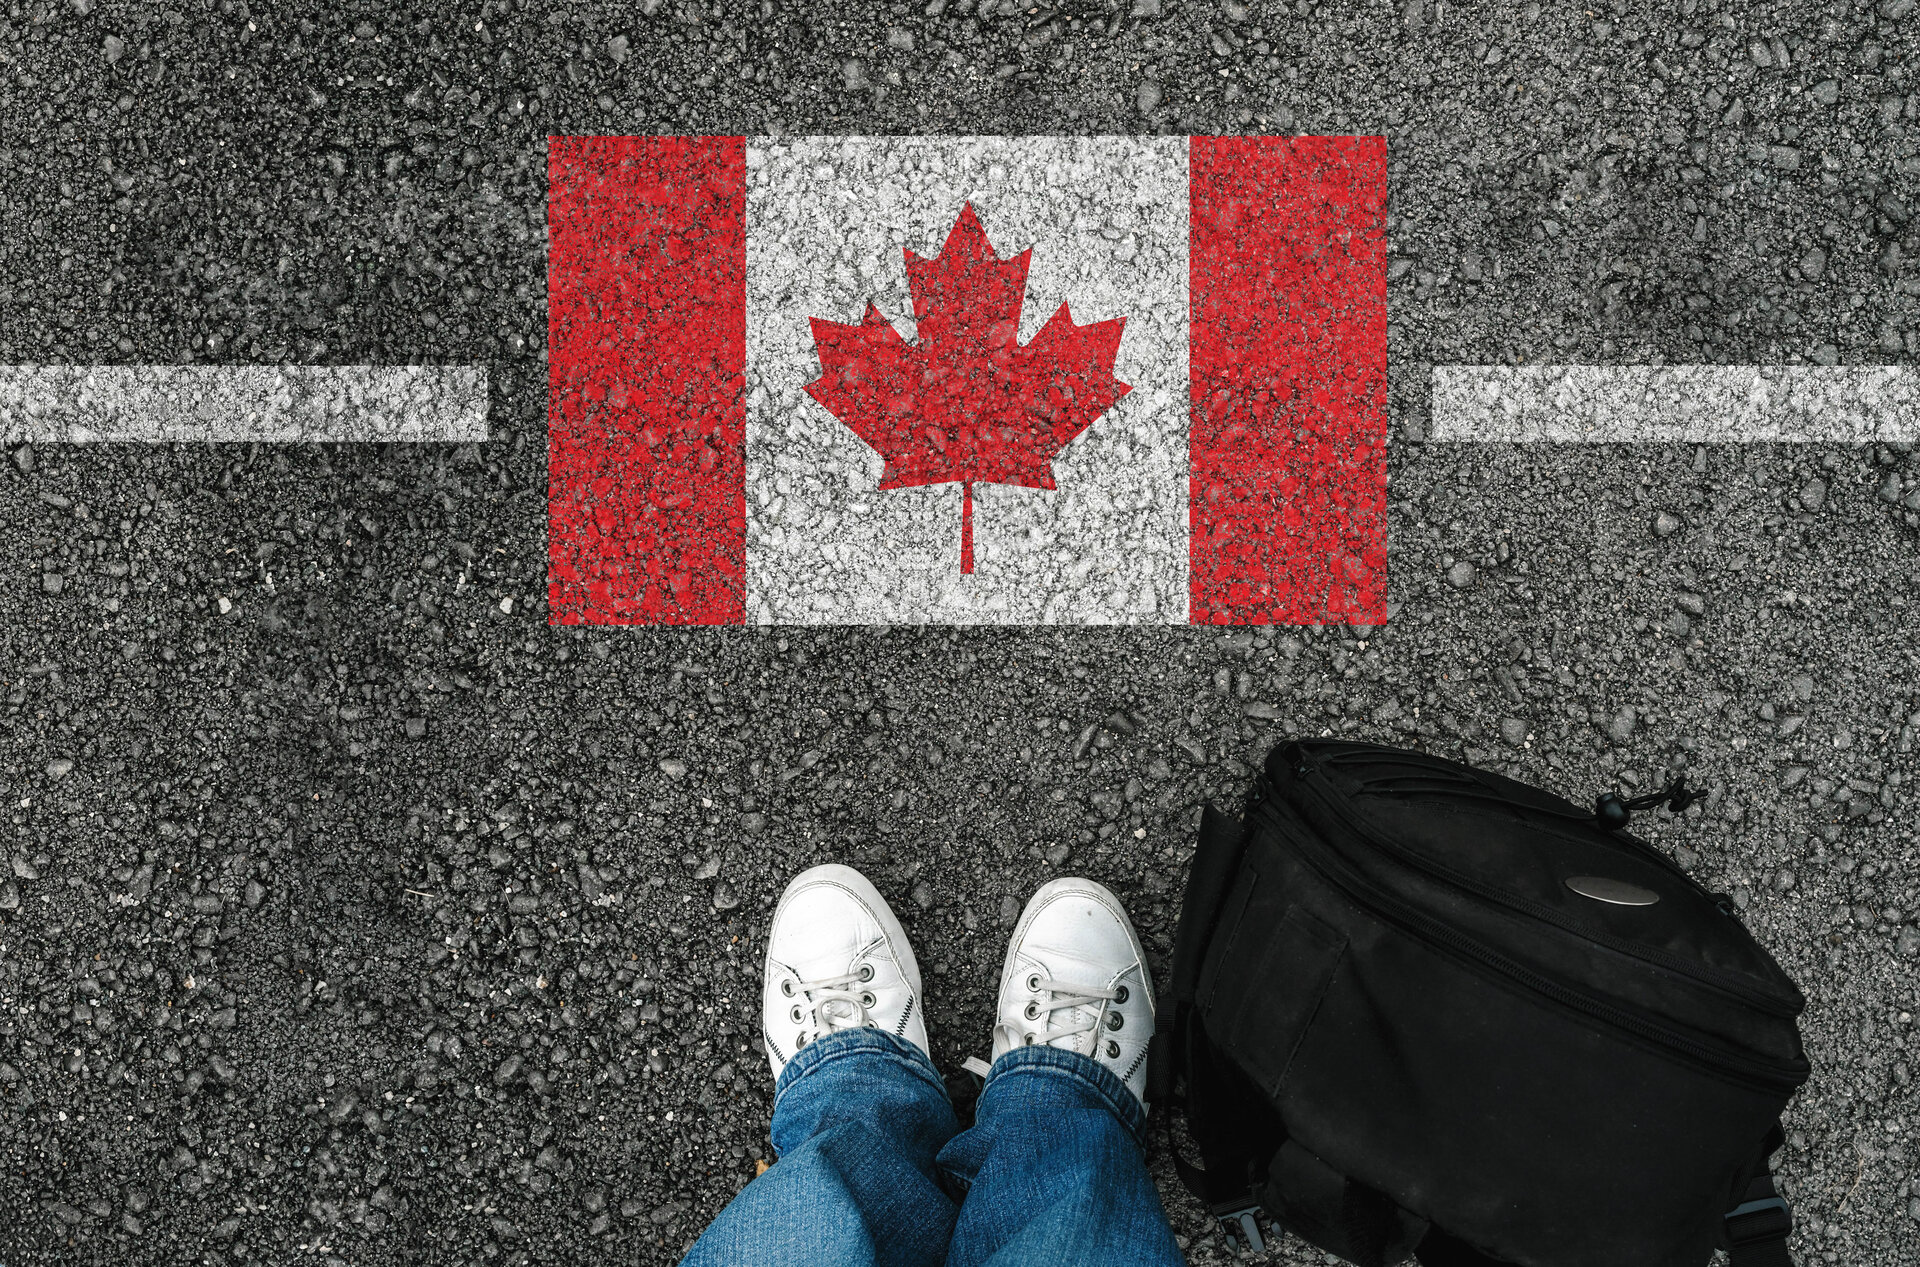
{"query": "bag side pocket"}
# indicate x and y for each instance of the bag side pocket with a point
(1265, 1001)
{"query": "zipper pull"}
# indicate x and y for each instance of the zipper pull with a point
(1613, 813)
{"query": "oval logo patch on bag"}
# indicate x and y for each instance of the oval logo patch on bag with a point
(1617, 892)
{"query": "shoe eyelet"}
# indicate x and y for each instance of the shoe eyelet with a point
(794, 1014)
(1033, 1011)
(1029, 1040)
(786, 986)
(1033, 981)
(800, 1042)
(1120, 994)
(1113, 1050)
(866, 998)
(866, 972)
(1115, 1020)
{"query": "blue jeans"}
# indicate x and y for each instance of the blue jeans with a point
(874, 1169)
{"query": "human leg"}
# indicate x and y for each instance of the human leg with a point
(860, 1112)
(1052, 1165)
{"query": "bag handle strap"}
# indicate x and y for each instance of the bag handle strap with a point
(1235, 1210)
(1216, 856)
(1164, 1058)
(1758, 1227)
(1221, 839)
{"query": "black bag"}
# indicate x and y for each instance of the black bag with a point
(1421, 1009)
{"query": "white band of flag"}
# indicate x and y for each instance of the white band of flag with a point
(157, 404)
(1693, 404)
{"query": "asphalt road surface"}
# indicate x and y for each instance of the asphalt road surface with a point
(355, 915)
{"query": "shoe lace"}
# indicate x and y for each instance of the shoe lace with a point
(1062, 996)
(825, 1004)
(1052, 998)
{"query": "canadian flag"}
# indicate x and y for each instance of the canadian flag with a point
(967, 380)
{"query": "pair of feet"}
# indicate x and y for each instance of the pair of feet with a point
(1075, 976)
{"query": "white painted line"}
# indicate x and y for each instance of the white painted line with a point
(157, 404)
(1695, 404)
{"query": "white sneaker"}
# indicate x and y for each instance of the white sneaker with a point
(836, 959)
(1076, 978)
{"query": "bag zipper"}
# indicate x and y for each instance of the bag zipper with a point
(1468, 787)
(1728, 984)
(1469, 790)
(1758, 1071)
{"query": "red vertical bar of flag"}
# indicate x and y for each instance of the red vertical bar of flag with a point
(1288, 374)
(646, 344)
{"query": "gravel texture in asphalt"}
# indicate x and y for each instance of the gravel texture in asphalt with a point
(351, 913)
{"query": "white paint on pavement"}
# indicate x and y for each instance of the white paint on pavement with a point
(156, 404)
(1693, 404)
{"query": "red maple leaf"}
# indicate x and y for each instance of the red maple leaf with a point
(965, 400)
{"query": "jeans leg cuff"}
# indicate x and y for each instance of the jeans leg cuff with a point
(1052, 1062)
(857, 1044)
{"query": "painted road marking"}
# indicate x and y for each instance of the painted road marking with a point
(269, 404)
(1691, 404)
(692, 479)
